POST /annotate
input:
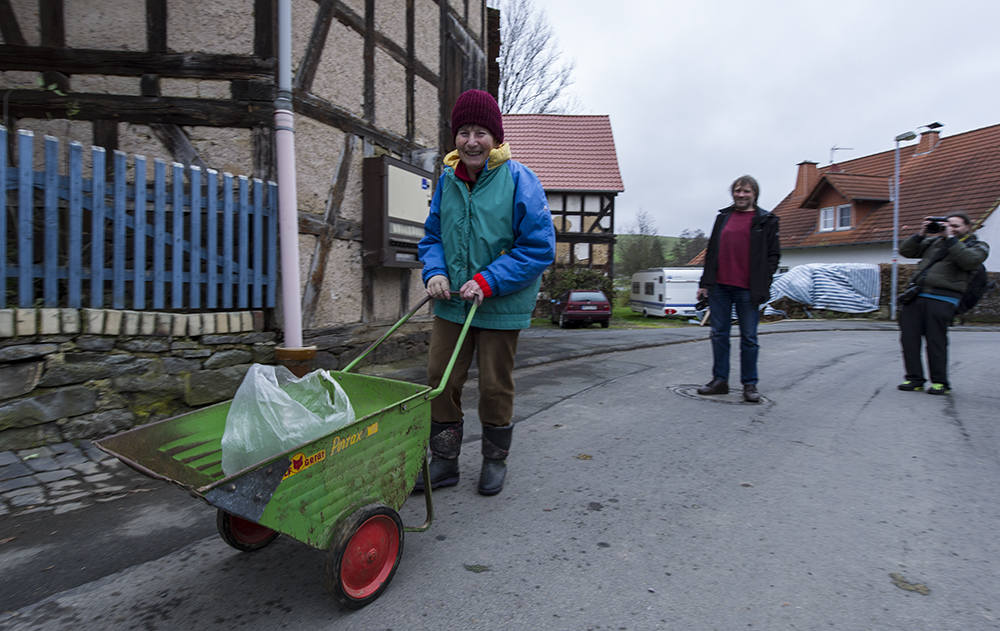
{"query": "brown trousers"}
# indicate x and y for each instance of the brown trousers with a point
(494, 351)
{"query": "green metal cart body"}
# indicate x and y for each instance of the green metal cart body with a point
(338, 491)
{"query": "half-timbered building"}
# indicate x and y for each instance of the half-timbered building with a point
(195, 83)
(575, 159)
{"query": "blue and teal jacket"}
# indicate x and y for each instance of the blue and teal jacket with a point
(501, 228)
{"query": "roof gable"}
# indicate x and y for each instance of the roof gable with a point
(567, 153)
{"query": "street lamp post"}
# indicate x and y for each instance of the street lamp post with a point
(909, 135)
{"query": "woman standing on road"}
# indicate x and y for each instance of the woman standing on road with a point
(488, 238)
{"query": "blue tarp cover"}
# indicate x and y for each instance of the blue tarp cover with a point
(845, 287)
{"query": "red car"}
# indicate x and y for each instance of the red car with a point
(581, 307)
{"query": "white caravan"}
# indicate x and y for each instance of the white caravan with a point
(665, 291)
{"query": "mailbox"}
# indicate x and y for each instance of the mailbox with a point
(397, 198)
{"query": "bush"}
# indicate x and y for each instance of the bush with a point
(560, 279)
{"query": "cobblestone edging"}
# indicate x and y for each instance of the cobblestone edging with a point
(61, 478)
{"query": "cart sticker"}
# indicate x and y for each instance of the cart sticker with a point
(340, 444)
(301, 462)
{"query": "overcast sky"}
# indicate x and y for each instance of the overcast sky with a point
(702, 91)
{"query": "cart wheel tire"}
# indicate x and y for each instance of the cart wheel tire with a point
(364, 555)
(243, 534)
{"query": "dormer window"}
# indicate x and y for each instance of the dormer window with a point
(835, 218)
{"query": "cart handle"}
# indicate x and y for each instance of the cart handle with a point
(454, 356)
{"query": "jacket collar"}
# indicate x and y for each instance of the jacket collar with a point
(498, 156)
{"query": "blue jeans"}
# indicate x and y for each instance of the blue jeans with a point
(721, 299)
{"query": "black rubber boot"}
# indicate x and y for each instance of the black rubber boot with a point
(496, 446)
(446, 443)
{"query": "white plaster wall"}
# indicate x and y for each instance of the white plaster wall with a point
(340, 77)
(341, 294)
(26, 14)
(19, 79)
(317, 154)
(390, 20)
(66, 131)
(352, 204)
(879, 253)
(196, 88)
(426, 108)
(358, 6)
(135, 139)
(222, 26)
(390, 94)
(303, 17)
(106, 24)
(385, 299)
(105, 84)
(990, 233)
(426, 29)
(225, 149)
(476, 18)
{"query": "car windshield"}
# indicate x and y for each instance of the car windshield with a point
(593, 296)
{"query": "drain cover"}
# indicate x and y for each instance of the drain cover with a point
(735, 396)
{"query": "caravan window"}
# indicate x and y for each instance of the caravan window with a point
(649, 289)
(635, 287)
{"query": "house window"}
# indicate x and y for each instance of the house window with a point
(835, 218)
(844, 217)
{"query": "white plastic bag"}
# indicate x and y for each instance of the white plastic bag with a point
(274, 411)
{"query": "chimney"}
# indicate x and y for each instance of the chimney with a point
(806, 178)
(929, 138)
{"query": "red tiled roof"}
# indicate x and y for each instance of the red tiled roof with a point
(960, 173)
(851, 187)
(567, 153)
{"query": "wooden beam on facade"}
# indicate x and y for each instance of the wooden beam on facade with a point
(9, 28)
(135, 63)
(140, 109)
(329, 114)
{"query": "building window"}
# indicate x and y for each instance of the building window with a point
(835, 218)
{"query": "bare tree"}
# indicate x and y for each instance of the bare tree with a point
(533, 74)
(690, 245)
(640, 248)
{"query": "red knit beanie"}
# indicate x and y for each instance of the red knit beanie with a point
(475, 107)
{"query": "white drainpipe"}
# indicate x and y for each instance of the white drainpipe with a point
(284, 123)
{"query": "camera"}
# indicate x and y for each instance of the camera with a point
(701, 305)
(935, 224)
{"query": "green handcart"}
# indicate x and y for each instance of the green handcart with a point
(339, 493)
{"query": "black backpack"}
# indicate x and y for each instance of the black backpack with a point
(979, 284)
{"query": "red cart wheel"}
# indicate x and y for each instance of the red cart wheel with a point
(243, 534)
(364, 555)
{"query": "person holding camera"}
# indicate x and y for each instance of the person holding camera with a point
(950, 253)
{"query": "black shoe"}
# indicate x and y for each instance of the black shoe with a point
(715, 386)
(911, 386)
(750, 394)
(496, 446)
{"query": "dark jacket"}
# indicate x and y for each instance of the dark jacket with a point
(950, 276)
(765, 252)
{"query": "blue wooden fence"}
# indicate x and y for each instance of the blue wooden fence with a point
(207, 242)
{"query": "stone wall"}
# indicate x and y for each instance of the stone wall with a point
(68, 374)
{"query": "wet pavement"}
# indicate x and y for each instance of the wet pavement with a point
(66, 477)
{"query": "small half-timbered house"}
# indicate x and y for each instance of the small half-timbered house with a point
(575, 159)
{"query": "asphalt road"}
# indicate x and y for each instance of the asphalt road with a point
(631, 503)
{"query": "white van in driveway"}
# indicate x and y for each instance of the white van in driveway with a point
(665, 291)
